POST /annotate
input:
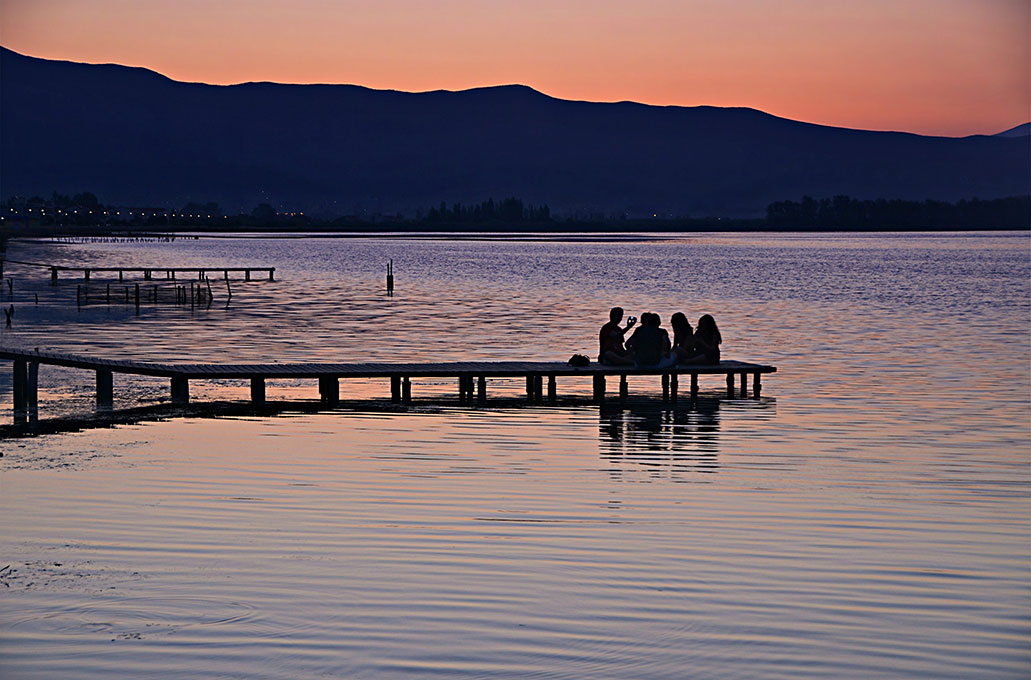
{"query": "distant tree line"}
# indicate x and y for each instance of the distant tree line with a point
(850, 214)
(506, 211)
(840, 213)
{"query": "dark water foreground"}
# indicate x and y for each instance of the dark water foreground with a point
(868, 517)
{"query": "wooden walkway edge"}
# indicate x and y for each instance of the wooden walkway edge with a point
(471, 375)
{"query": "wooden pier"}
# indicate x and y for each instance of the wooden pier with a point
(169, 272)
(471, 377)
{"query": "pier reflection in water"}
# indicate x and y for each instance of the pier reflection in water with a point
(663, 437)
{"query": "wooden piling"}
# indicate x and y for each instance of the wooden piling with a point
(109, 293)
(624, 388)
(481, 397)
(756, 385)
(105, 390)
(538, 391)
(257, 390)
(730, 386)
(694, 386)
(390, 276)
(552, 390)
(247, 275)
(744, 385)
(674, 385)
(180, 390)
(329, 390)
(53, 275)
(32, 387)
(406, 390)
(529, 388)
(20, 387)
(395, 389)
(665, 386)
(599, 388)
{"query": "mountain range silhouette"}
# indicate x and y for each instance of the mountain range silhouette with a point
(133, 136)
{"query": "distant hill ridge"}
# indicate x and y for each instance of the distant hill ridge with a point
(137, 137)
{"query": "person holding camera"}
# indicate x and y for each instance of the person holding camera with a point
(610, 340)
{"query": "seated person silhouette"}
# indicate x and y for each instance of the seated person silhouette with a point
(610, 339)
(650, 343)
(683, 337)
(706, 344)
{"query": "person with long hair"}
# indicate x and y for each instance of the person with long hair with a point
(707, 340)
(683, 337)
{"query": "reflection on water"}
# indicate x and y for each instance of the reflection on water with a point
(662, 436)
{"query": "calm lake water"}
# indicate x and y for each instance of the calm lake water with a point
(869, 517)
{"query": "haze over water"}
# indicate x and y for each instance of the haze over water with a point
(868, 517)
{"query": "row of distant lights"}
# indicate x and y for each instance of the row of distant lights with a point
(142, 214)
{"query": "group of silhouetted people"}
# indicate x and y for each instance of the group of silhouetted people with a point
(650, 346)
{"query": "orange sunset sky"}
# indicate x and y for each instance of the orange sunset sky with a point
(944, 67)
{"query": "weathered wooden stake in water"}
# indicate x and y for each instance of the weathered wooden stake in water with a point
(390, 277)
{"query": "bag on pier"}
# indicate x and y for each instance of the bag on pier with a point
(579, 361)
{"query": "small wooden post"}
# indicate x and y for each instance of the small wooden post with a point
(744, 385)
(599, 387)
(257, 390)
(247, 275)
(21, 379)
(329, 390)
(192, 296)
(461, 389)
(53, 275)
(228, 290)
(270, 272)
(624, 388)
(146, 275)
(730, 386)
(109, 293)
(171, 273)
(529, 388)
(86, 274)
(138, 298)
(665, 386)
(538, 388)
(78, 295)
(756, 385)
(406, 390)
(481, 396)
(105, 390)
(395, 388)
(674, 385)
(552, 390)
(694, 386)
(225, 274)
(390, 277)
(119, 276)
(180, 390)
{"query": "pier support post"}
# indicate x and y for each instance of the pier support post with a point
(481, 396)
(730, 386)
(599, 388)
(146, 275)
(119, 276)
(21, 379)
(105, 390)
(529, 389)
(329, 390)
(53, 274)
(180, 390)
(406, 390)
(395, 389)
(552, 390)
(32, 387)
(665, 386)
(624, 388)
(756, 385)
(86, 274)
(538, 388)
(674, 385)
(694, 386)
(247, 275)
(744, 385)
(257, 390)
(270, 272)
